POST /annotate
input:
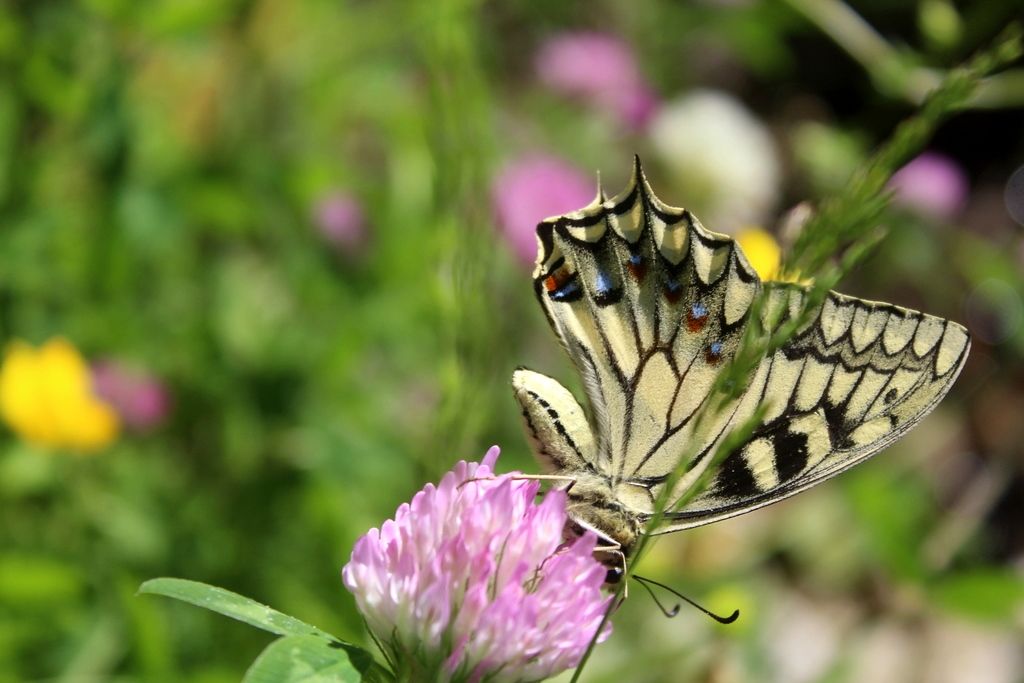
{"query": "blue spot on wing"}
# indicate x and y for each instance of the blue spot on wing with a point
(673, 290)
(636, 266)
(570, 291)
(714, 352)
(605, 291)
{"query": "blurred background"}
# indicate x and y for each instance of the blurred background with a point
(264, 271)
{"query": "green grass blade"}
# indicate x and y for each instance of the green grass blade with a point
(857, 210)
(231, 605)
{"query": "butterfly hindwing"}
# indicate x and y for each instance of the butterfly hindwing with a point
(651, 307)
(861, 381)
(555, 423)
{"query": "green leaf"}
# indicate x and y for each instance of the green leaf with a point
(302, 659)
(991, 595)
(231, 605)
(255, 614)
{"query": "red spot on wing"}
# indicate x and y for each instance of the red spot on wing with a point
(557, 279)
(695, 324)
(637, 270)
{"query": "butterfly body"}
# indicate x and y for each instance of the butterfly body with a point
(651, 307)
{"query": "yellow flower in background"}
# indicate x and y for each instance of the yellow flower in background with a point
(46, 398)
(765, 256)
(761, 250)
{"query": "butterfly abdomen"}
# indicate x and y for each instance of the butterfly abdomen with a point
(593, 504)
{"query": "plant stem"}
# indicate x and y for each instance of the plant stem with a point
(895, 73)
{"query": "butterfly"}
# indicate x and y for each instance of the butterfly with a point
(651, 307)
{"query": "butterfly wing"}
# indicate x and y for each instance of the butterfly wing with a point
(651, 306)
(857, 378)
(556, 425)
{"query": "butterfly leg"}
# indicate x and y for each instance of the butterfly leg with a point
(474, 479)
(528, 477)
(547, 477)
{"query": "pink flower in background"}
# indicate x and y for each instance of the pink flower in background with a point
(339, 218)
(533, 188)
(932, 184)
(139, 398)
(636, 107)
(600, 69)
(472, 581)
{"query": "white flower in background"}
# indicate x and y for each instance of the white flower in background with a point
(805, 637)
(959, 651)
(722, 159)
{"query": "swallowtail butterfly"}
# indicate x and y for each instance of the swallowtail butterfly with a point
(651, 306)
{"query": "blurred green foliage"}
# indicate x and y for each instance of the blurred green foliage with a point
(160, 167)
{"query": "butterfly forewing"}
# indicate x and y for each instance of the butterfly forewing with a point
(652, 307)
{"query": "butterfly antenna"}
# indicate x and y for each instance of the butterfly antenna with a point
(647, 583)
(650, 591)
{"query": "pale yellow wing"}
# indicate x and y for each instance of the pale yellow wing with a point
(647, 303)
(651, 307)
(852, 382)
